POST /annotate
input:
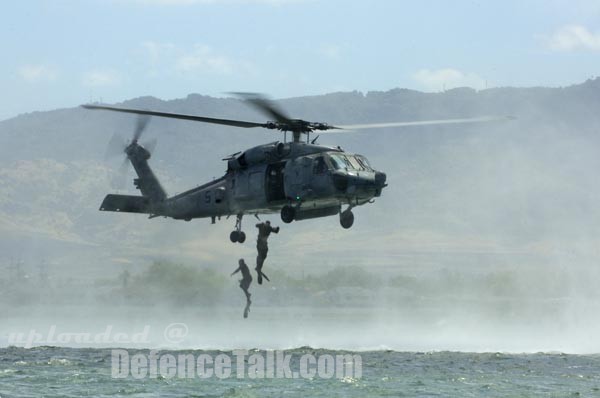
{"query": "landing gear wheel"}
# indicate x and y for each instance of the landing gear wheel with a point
(346, 219)
(287, 214)
(237, 235)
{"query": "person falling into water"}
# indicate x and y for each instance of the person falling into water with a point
(264, 230)
(244, 283)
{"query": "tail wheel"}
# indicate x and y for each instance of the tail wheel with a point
(287, 214)
(346, 219)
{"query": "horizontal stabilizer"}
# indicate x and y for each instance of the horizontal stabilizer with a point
(126, 203)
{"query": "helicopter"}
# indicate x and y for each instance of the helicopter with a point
(299, 179)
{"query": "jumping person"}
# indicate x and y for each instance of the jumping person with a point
(244, 283)
(264, 230)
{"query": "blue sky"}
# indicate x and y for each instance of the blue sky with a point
(64, 53)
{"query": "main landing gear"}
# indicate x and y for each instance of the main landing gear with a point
(288, 213)
(347, 218)
(238, 235)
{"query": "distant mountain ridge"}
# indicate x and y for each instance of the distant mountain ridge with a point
(515, 185)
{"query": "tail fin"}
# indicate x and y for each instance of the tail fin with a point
(146, 182)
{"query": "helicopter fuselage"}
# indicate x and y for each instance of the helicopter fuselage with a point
(268, 177)
(299, 180)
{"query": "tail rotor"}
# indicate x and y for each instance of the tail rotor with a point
(118, 145)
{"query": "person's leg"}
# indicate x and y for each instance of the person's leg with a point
(260, 260)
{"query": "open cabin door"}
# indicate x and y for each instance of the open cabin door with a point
(275, 182)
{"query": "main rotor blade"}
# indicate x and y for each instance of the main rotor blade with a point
(227, 122)
(480, 119)
(265, 105)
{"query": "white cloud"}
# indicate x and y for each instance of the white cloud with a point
(574, 37)
(35, 73)
(157, 50)
(164, 58)
(445, 79)
(99, 78)
(203, 59)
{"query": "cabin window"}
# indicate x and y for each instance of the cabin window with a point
(319, 165)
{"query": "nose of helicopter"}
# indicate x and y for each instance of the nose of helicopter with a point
(354, 183)
(380, 178)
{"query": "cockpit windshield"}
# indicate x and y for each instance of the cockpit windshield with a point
(350, 162)
(364, 162)
(355, 164)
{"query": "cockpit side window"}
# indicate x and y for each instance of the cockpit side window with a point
(347, 162)
(319, 166)
(337, 161)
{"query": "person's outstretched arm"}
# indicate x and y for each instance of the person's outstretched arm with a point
(236, 271)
